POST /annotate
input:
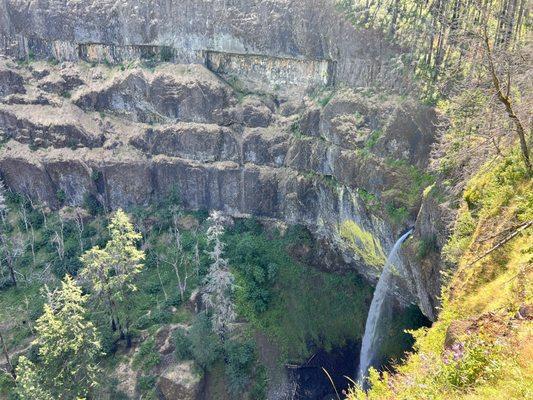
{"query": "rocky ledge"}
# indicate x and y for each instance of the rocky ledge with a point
(127, 135)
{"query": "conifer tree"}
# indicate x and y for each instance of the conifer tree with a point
(219, 282)
(68, 346)
(111, 272)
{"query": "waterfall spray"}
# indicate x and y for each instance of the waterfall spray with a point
(372, 334)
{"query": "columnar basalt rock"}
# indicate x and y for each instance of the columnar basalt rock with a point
(104, 30)
(128, 136)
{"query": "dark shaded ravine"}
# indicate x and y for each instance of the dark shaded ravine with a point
(310, 382)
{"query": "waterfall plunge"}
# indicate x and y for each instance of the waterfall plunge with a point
(371, 337)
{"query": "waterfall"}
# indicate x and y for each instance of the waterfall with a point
(371, 337)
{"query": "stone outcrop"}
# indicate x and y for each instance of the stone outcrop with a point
(185, 93)
(179, 381)
(10, 82)
(312, 31)
(129, 137)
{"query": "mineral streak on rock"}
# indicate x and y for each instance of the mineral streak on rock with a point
(262, 73)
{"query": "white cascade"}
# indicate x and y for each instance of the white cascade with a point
(372, 333)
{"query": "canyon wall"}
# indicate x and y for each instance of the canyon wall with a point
(306, 30)
(292, 131)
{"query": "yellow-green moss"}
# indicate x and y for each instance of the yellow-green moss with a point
(492, 281)
(362, 243)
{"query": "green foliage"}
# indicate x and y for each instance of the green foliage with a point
(478, 362)
(426, 246)
(206, 348)
(370, 199)
(147, 357)
(7, 385)
(461, 238)
(398, 215)
(183, 345)
(328, 180)
(373, 139)
(240, 357)
(68, 345)
(61, 196)
(146, 383)
(484, 197)
(306, 307)
(92, 204)
(322, 95)
(260, 384)
(362, 243)
(323, 102)
(166, 54)
(405, 194)
(29, 385)
(443, 38)
(112, 271)
(296, 129)
(257, 274)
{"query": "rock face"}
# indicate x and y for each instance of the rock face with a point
(127, 137)
(179, 381)
(311, 31)
(129, 108)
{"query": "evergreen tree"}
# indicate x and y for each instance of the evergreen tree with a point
(111, 272)
(68, 346)
(219, 282)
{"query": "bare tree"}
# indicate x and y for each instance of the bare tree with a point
(10, 368)
(3, 203)
(80, 227)
(59, 239)
(503, 93)
(175, 257)
(10, 249)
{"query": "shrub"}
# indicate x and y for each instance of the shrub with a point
(240, 357)
(257, 275)
(426, 246)
(260, 385)
(477, 363)
(166, 54)
(92, 204)
(174, 300)
(146, 383)
(397, 214)
(183, 345)
(205, 345)
(147, 357)
(61, 196)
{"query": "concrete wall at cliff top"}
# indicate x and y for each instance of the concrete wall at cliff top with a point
(309, 30)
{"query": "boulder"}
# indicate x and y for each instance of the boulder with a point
(10, 82)
(255, 113)
(179, 382)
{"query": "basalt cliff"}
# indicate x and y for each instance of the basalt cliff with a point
(275, 109)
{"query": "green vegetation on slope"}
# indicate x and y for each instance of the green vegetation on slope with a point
(480, 347)
(296, 306)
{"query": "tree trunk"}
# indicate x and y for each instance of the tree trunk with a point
(12, 274)
(6, 355)
(506, 101)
